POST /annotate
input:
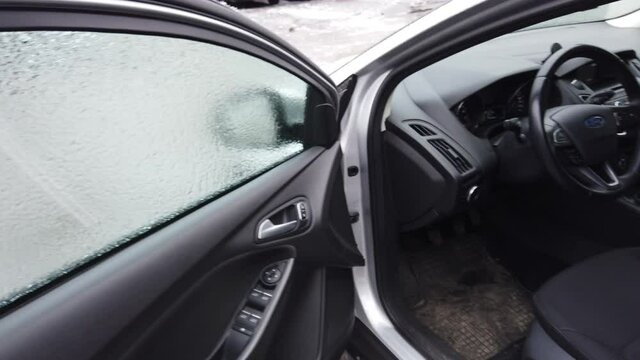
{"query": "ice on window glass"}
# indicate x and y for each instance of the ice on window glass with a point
(103, 136)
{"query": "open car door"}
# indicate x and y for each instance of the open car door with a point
(171, 186)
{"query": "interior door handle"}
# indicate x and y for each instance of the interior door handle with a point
(285, 221)
(268, 229)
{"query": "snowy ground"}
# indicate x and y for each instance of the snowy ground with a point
(331, 32)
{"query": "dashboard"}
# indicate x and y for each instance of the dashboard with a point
(484, 112)
(446, 133)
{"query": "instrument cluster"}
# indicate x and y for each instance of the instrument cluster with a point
(488, 108)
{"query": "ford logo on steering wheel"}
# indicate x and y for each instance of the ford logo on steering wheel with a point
(594, 122)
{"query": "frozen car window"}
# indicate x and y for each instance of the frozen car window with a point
(104, 136)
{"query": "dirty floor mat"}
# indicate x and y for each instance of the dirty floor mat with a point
(468, 299)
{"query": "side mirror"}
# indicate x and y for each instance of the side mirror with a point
(260, 118)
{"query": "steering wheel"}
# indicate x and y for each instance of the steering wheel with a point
(577, 143)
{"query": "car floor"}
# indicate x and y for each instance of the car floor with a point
(464, 296)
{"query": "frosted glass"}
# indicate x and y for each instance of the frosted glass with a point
(103, 136)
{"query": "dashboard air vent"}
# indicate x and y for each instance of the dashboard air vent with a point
(455, 158)
(422, 130)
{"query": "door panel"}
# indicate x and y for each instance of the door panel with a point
(314, 315)
(180, 290)
(176, 292)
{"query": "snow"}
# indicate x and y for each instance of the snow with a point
(331, 32)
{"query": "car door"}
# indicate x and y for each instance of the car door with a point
(171, 188)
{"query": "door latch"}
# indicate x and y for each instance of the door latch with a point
(288, 220)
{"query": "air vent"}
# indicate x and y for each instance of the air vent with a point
(422, 130)
(458, 161)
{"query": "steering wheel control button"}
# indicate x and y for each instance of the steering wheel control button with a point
(622, 164)
(259, 299)
(574, 157)
(560, 137)
(624, 117)
(271, 275)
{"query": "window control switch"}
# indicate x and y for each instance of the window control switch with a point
(259, 299)
(247, 321)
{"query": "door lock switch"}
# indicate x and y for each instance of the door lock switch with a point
(301, 207)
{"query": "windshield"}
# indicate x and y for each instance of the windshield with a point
(601, 13)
